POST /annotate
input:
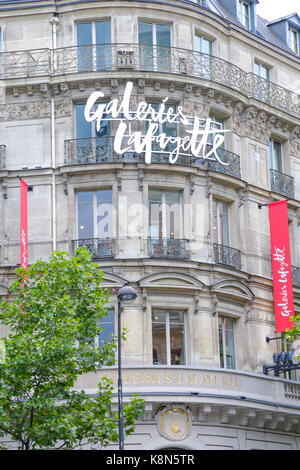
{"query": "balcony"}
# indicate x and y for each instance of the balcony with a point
(145, 58)
(167, 248)
(282, 184)
(28, 63)
(2, 157)
(171, 60)
(98, 247)
(101, 150)
(227, 256)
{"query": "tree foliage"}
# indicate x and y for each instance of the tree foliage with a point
(53, 321)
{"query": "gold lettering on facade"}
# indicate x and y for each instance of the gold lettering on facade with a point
(180, 378)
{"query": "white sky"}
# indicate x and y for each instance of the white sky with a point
(274, 9)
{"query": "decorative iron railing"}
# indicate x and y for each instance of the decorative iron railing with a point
(98, 247)
(28, 63)
(167, 248)
(296, 276)
(148, 58)
(2, 156)
(227, 256)
(282, 184)
(101, 150)
(127, 56)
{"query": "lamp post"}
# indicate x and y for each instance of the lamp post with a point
(125, 294)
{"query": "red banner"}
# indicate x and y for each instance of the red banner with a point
(281, 265)
(24, 226)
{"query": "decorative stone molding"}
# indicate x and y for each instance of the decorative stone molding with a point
(24, 111)
(174, 422)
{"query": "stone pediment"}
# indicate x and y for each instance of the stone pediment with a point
(171, 280)
(111, 280)
(229, 288)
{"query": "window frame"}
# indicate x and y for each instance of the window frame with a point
(242, 16)
(293, 33)
(110, 309)
(95, 228)
(168, 336)
(262, 66)
(272, 141)
(219, 235)
(164, 213)
(223, 318)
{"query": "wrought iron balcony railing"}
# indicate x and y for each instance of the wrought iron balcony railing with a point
(100, 150)
(167, 248)
(98, 247)
(148, 58)
(296, 276)
(141, 57)
(2, 157)
(27, 63)
(282, 184)
(227, 256)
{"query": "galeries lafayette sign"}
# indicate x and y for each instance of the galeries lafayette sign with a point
(198, 132)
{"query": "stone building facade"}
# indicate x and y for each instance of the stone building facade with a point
(193, 237)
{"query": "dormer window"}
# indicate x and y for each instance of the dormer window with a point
(244, 14)
(293, 40)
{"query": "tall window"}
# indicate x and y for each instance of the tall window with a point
(275, 153)
(165, 214)
(293, 37)
(218, 124)
(94, 50)
(165, 224)
(262, 71)
(221, 215)
(154, 46)
(168, 337)
(170, 129)
(244, 14)
(203, 48)
(95, 222)
(262, 87)
(92, 146)
(108, 325)
(226, 343)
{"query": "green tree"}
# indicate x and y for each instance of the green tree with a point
(53, 320)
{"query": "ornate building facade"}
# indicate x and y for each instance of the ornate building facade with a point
(192, 237)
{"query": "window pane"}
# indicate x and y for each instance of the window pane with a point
(83, 128)
(85, 215)
(177, 338)
(145, 33)
(84, 34)
(275, 155)
(103, 32)
(159, 338)
(207, 46)
(163, 37)
(229, 340)
(104, 214)
(107, 323)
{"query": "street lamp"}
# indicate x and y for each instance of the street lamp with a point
(125, 294)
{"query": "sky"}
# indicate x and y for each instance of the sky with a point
(274, 9)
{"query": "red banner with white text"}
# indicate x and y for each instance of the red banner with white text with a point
(281, 265)
(24, 226)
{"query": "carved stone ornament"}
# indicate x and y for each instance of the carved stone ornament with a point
(174, 422)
